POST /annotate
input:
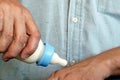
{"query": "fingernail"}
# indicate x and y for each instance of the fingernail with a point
(6, 59)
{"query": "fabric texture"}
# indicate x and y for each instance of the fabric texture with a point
(77, 29)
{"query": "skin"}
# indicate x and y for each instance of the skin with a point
(97, 67)
(19, 35)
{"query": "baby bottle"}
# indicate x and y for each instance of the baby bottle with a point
(44, 55)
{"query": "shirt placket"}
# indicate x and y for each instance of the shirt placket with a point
(74, 48)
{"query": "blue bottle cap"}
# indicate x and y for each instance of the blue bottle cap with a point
(46, 56)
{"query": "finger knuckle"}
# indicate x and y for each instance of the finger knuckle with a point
(3, 47)
(37, 35)
(21, 40)
(22, 11)
(9, 35)
(25, 10)
(18, 10)
(5, 6)
(27, 14)
(5, 41)
(31, 49)
(1, 14)
(11, 55)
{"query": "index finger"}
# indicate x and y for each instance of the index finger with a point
(34, 37)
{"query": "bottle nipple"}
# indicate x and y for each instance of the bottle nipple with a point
(49, 56)
(57, 60)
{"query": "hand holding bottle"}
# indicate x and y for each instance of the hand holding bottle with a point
(19, 34)
(44, 55)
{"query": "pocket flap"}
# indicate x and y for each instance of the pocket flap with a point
(109, 6)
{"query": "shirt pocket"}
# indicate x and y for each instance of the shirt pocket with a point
(109, 6)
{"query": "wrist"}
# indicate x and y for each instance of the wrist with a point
(106, 66)
(110, 59)
(114, 58)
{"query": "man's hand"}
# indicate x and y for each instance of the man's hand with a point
(89, 69)
(19, 34)
(97, 67)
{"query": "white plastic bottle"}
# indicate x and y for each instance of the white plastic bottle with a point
(44, 55)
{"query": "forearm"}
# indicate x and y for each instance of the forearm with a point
(112, 59)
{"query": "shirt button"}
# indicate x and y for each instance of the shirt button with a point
(72, 62)
(75, 20)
